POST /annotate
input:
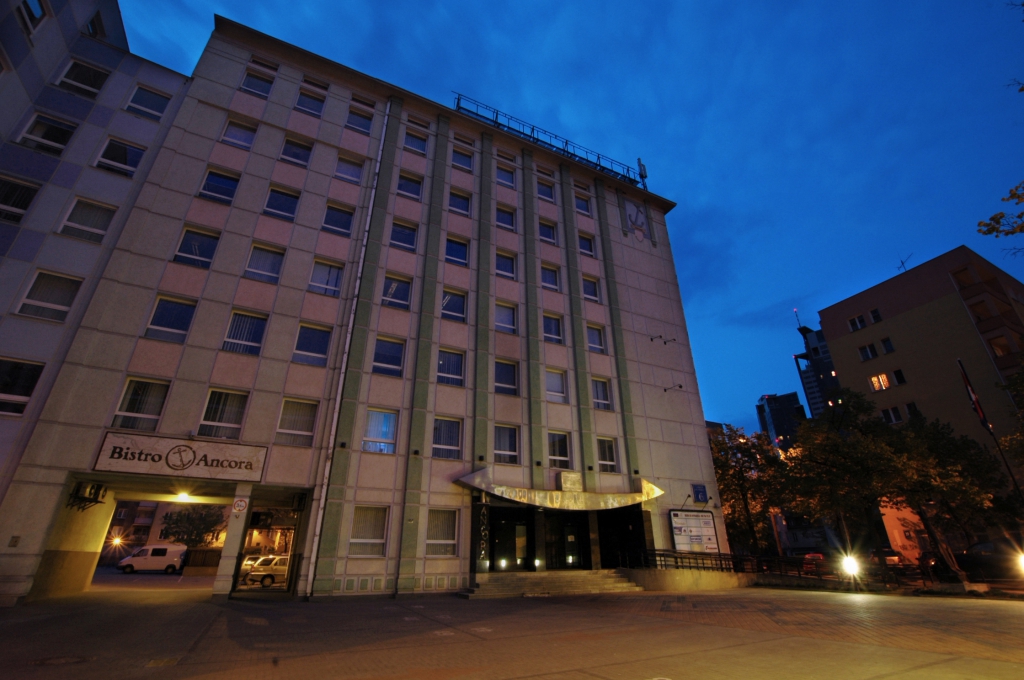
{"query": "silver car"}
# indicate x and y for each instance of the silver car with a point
(268, 571)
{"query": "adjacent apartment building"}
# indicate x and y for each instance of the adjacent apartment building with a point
(415, 340)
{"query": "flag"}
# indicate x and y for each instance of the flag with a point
(975, 403)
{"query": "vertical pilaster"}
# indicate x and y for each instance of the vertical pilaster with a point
(531, 327)
(234, 538)
(482, 429)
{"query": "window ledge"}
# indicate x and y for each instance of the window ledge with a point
(215, 199)
(311, 114)
(251, 93)
(359, 130)
(278, 216)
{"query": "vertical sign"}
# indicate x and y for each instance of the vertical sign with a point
(700, 493)
(694, 531)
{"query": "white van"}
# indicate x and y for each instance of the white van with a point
(162, 557)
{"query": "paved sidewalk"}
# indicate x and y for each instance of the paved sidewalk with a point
(749, 633)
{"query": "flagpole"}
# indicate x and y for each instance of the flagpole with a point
(1007, 464)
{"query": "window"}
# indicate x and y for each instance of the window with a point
(396, 292)
(15, 199)
(50, 297)
(311, 346)
(415, 143)
(553, 329)
(887, 347)
(196, 248)
(549, 278)
(264, 265)
(587, 245)
(245, 333)
(912, 409)
(462, 159)
(141, 405)
(410, 186)
(602, 394)
(505, 318)
(449, 368)
(898, 377)
(222, 418)
(876, 316)
(447, 439)
(47, 135)
(281, 204)
(121, 158)
(257, 84)
(387, 357)
(546, 191)
(403, 236)
(1000, 346)
(88, 221)
(506, 445)
(381, 430)
(326, 279)
(506, 378)
(350, 171)
(453, 306)
(239, 135)
(32, 14)
(219, 187)
(591, 289)
(310, 103)
(856, 323)
(879, 382)
(338, 221)
(95, 27)
(505, 218)
(148, 103)
(17, 381)
(554, 382)
(505, 265)
(369, 526)
(606, 456)
(296, 153)
(558, 450)
(84, 80)
(361, 121)
(868, 352)
(583, 204)
(595, 339)
(296, 425)
(456, 252)
(506, 176)
(892, 415)
(171, 320)
(548, 232)
(441, 531)
(458, 203)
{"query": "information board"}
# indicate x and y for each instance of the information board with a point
(694, 531)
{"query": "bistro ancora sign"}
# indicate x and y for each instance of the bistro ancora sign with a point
(139, 454)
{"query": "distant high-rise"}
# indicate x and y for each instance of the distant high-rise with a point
(779, 415)
(817, 373)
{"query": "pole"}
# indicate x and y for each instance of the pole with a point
(1009, 470)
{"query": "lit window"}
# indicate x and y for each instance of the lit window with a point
(296, 152)
(587, 245)
(583, 204)
(196, 248)
(295, 428)
(549, 278)
(396, 292)
(898, 377)
(387, 357)
(264, 265)
(17, 381)
(546, 191)
(171, 320)
(458, 202)
(505, 218)
(50, 297)
(447, 439)
(381, 431)
(141, 405)
(310, 103)
(450, 368)
(403, 236)
(360, 121)
(591, 289)
(548, 232)
(868, 352)
(462, 159)
(148, 103)
(410, 187)
(338, 221)
(602, 394)
(239, 135)
(595, 339)
(506, 444)
(84, 80)
(553, 329)
(350, 171)
(506, 378)
(219, 187)
(48, 135)
(506, 176)
(282, 204)
(558, 450)
(887, 347)
(326, 279)
(245, 333)
(311, 346)
(1000, 346)
(441, 533)
(606, 461)
(554, 382)
(369, 526)
(222, 418)
(15, 198)
(453, 306)
(505, 319)
(456, 252)
(121, 158)
(879, 382)
(505, 265)
(415, 143)
(856, 323)
(257, 84)
(88, 221)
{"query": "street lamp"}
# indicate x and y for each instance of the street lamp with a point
(850, 565)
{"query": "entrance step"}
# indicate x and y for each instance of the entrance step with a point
(549, 584)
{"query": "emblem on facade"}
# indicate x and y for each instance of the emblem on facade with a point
(636, 217)
(180, 457)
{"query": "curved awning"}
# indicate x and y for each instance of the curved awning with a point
(560, 500)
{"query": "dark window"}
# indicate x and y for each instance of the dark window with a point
(311, 104)
(148, 103)
(171, 320)
(506, 176)
(33, 13)
(447, 439)
(296, 152)
(239, 135)
(505, 265)
(264, 265)
(506, 378)
(245, 333)
(219, 186)
(553, 329)
(121, 158)
(48, 135)
(505, 218)
(415, 142)
(548, 232)
(257, 85)
(462, 159)
(357, 120)
(549, 278)
(506, 445)
(856, 323)
(196, 249)
(15, 199)
(387, 357)
(505, 319)
(311, 346)
(876, 316)
(326, 279)
(453, 306)
(591, 290)
(449, 368)
(458, 202)
(338, 221)
(606, 455)
(410, 186)
(898, 377)
(602, 394)
(222, 418)
(396, 293)
(595, 339)
(281, 204)
(403, 237)
(887, 347)
(545, 190)
(88, 221)
(141, 405)
(50, 297)
(456, 252)
(95, 27)
(583, 204)
(351, 171)
(586, 245)
(83, 80)
(17, 381)
(867, 352)
(558, 450)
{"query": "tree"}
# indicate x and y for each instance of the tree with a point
(194, 526)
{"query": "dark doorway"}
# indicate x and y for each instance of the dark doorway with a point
(623, 537)
(567, 544)
(512, 547)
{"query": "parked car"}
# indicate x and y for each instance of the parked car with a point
(998, 559)
(166, 558)
(891, 557)
(268, 571)
(815, 563)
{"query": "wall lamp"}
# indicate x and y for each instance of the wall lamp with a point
(674, 387)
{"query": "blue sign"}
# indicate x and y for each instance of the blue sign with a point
(700, 493)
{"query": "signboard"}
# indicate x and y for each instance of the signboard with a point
(694, 531)
(700, 493)
(143, 455)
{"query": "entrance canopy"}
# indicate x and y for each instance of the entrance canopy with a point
(571, 497)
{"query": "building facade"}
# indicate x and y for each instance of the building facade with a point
(779, 416)
(817, 374)
(414, 342)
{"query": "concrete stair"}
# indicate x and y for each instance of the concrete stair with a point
(549, 584)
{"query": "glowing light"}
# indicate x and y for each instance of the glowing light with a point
(116, 540)
(1020, 560)
(570, 559)
(502, 563)
(850, 565)
(536, 563)
(184, 497)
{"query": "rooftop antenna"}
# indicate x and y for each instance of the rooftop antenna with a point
(642, 172)
(798, 324)
(903, 262)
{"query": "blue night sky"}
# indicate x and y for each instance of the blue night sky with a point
(809, 145)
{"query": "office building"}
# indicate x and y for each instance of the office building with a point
(817, 374)
(779, 416)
